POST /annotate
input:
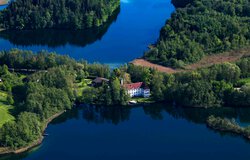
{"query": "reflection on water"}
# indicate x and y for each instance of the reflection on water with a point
(97, 115)
(117, 115)
(198, 115)
(101, 115)
(55, 38)
(86, 126)
(2, 7)
(137, 25)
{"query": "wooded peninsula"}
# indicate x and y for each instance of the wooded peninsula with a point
(34, 87)
(54, 83)
(201, 27)
(63, 14)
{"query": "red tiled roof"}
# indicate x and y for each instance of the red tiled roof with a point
(133, 85)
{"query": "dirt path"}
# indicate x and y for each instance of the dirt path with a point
(231, 56)
(145, 63)
(207, 61)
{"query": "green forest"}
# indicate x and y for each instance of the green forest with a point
(227, 125)
(55, 83)
(63, 14)
(199, 28)
(36, 86)
(181, 3)
(226, 84)
(35, 97)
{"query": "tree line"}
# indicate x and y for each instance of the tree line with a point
(224, 84)
(51, 90)
(38, 96)
(63, 14)
(36, 99)
(202, 27)
(181, 3)
(227, 125)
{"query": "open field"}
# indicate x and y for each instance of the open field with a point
(5, 115)
(145, 63)
(207, 61)
(3, 2)
(80, 86)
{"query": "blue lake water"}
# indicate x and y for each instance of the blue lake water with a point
(153, 132)
(2, 7)
(126, 37)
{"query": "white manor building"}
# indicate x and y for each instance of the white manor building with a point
(137, 90)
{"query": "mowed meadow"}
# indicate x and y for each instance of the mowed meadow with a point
(5, 109)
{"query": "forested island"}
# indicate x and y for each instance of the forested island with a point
(199, 28)
(226, 125)
(66, 14)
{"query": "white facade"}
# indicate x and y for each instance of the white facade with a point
(146, 93)
(139, 92)
(135, 92)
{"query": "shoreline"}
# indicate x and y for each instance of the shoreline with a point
(245, 136)
(8, 151)
(224, 125)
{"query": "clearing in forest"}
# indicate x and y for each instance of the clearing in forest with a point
(207, 61)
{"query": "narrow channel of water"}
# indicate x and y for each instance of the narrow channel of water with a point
(124, 38)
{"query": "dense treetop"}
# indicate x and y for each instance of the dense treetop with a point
(181, 3)
(63, 14)
(61, 81)
(201, 28)
(51, 89)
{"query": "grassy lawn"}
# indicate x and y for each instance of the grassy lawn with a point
(22, 76)
(80, 86)
(5, 115)
(245, 81)
(143, 100)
